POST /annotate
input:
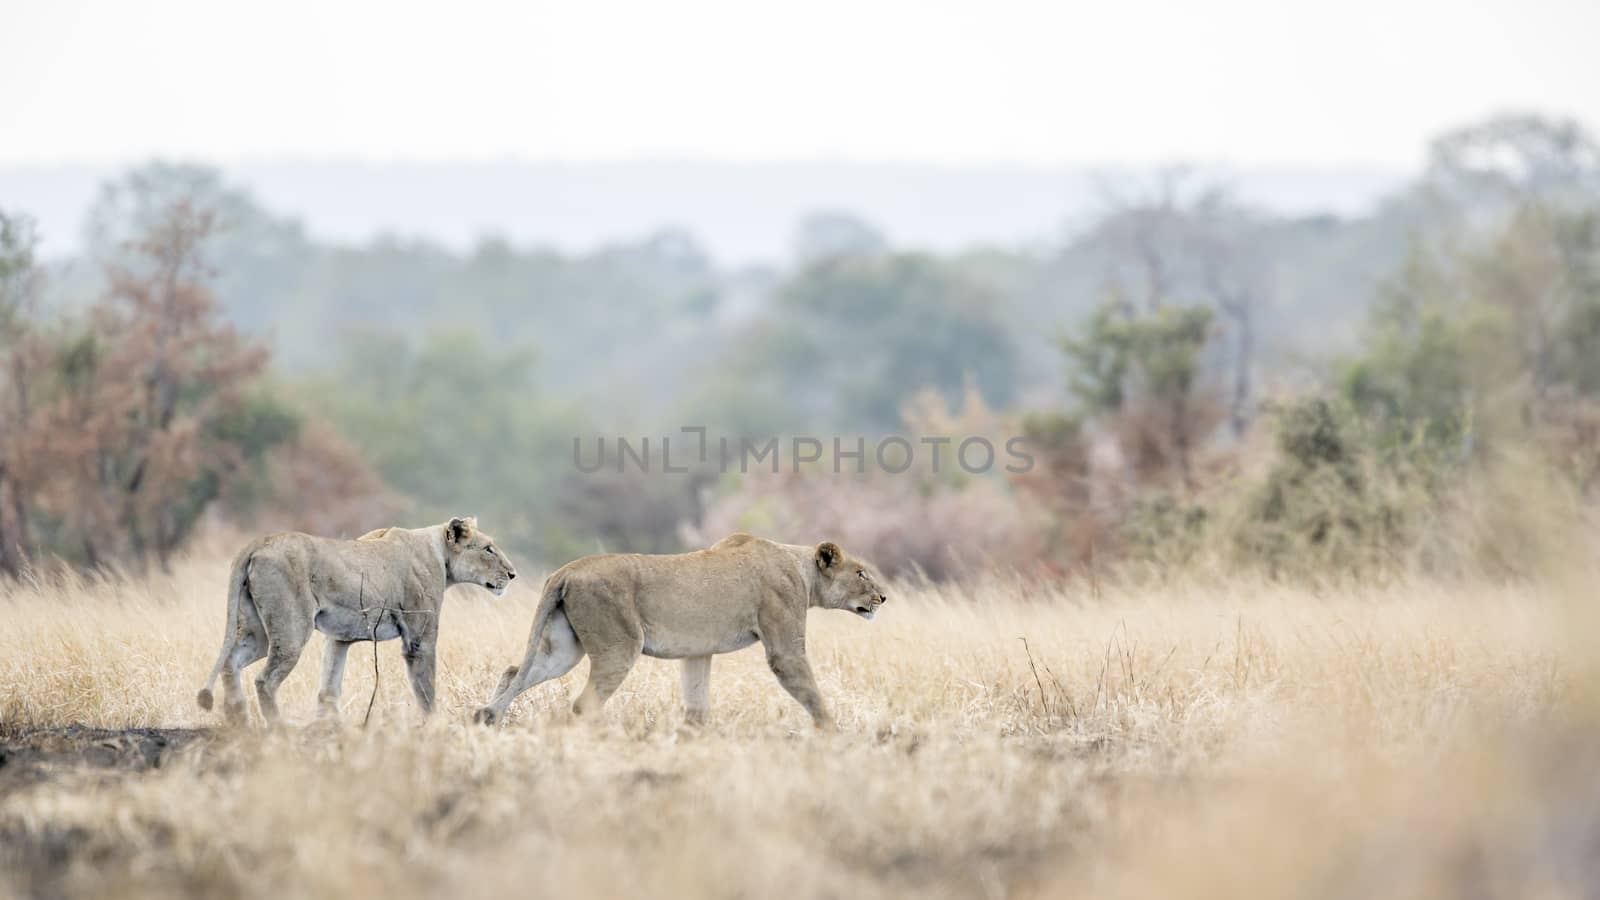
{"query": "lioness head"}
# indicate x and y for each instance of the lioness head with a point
(847, 582)
(470, 557)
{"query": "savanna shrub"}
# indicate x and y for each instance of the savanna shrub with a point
(1330, 500)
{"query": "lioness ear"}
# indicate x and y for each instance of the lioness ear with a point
(460, 529)
(828, 555)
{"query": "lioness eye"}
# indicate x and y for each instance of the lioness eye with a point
(488, 548)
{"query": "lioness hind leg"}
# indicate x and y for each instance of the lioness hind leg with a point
(251, 646)
(505, 681)
(334, 654)
(552, 657)
(609, 628)
(607, 668)
(283, 651)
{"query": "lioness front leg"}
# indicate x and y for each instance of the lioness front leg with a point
(420, 665)
(697, 690)
(787, 659)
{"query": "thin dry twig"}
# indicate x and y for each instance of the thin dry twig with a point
(373, 633)
(361, 598)
(1043, 700)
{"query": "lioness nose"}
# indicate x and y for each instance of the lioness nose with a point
(883, 598)
(510, 575)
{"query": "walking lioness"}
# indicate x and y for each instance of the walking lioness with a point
(388, 584)
(688, 606)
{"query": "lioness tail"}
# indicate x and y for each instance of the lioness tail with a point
(555, 591)
(230, 633)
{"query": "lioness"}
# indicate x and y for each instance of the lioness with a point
(688, 606)
(388, 584)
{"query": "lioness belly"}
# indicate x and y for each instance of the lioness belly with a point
(664, 643)
(350, 625)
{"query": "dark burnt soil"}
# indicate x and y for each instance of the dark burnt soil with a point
(31, 755)
(41, 861)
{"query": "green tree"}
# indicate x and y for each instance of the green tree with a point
(1146, 376)
(853, 337)
(453, 424)
(21, 359)
(1470, 346)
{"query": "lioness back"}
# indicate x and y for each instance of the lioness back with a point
(741, 564)
(685, 604)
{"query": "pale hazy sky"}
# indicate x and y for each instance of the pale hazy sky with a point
(1134, 81)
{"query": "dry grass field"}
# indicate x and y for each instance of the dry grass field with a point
(1215, 737)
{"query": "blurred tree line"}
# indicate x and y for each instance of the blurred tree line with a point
(407, 381)
(1478, 348)
(126, 421)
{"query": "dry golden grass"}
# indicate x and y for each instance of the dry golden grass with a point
(1218, 739)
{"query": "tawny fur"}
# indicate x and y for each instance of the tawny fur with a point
(688, 606)
(388, 584)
